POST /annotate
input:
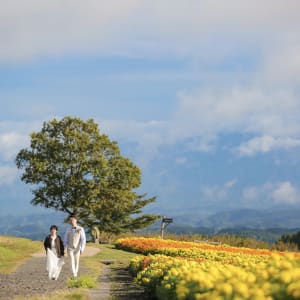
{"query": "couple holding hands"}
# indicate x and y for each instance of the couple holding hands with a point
(74, 241)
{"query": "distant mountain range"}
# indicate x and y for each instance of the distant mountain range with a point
(248, 218)
(34, 227)
(264, 225)
(267, 225)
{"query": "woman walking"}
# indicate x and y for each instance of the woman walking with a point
(55, 253)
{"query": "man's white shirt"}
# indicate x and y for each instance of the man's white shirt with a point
(82, 239)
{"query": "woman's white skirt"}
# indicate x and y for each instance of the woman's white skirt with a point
(53, 264)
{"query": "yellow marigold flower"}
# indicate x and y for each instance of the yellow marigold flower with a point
(257, 294)
(272, 271)
(285, 277)
(296, 294)
(225, 289)
(181, 291)
(296, 273)
(173, 272)
(168, 286)
(286, 265)
(146, 280)
(242, 289)
(290, 256)
(275, 257)
(264, 274)
(237, 298)
(266, 286)
(275, 287)
(251, 278)
(293, 288)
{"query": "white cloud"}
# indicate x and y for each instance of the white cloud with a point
(36, 28)
(238, 109)
(202, 143)
(265, 144)
(273, 116)
(181, 160)
(282, 64)
(281, 192)
(263, 104)
(250, 193)
(8, 175)
(10, 144)
(41, 28)
(285, 192)
(134, 130)
(148, 136)
(14, 136)
(215, 193)
(229, 184)
(270, 117)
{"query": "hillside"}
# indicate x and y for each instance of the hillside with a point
(259, 224)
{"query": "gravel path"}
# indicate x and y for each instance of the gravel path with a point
(31, 277)
(123, 287)
(102, 291)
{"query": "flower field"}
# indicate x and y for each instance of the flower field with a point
(185, 270)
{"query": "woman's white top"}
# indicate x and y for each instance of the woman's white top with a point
(52, 241)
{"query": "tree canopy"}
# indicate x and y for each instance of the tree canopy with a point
(76, 169)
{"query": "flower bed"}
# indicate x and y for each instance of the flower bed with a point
(180, 270)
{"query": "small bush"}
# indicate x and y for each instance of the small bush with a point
(84, 281)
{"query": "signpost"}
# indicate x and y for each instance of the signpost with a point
(164, 223)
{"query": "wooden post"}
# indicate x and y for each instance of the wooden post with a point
(162, 228)
(164, 222)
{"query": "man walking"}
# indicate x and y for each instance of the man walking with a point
(75, 242)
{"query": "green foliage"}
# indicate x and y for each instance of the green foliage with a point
(84, 281)
(74, 296)
(289, 241)
(77, 170)
(241, 241)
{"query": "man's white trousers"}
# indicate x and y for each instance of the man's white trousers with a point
(74, 257)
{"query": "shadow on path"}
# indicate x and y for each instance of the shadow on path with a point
(123, 286)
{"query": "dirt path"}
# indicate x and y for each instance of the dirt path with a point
(123, 286)
(102, 291)
(31, 277)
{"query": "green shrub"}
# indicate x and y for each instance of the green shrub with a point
(84, 281)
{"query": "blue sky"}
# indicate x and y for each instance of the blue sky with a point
(203, 96)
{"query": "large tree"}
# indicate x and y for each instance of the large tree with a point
(75, 169)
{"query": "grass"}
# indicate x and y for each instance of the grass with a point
(83, 281)
(13, 251)
(107, 253)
